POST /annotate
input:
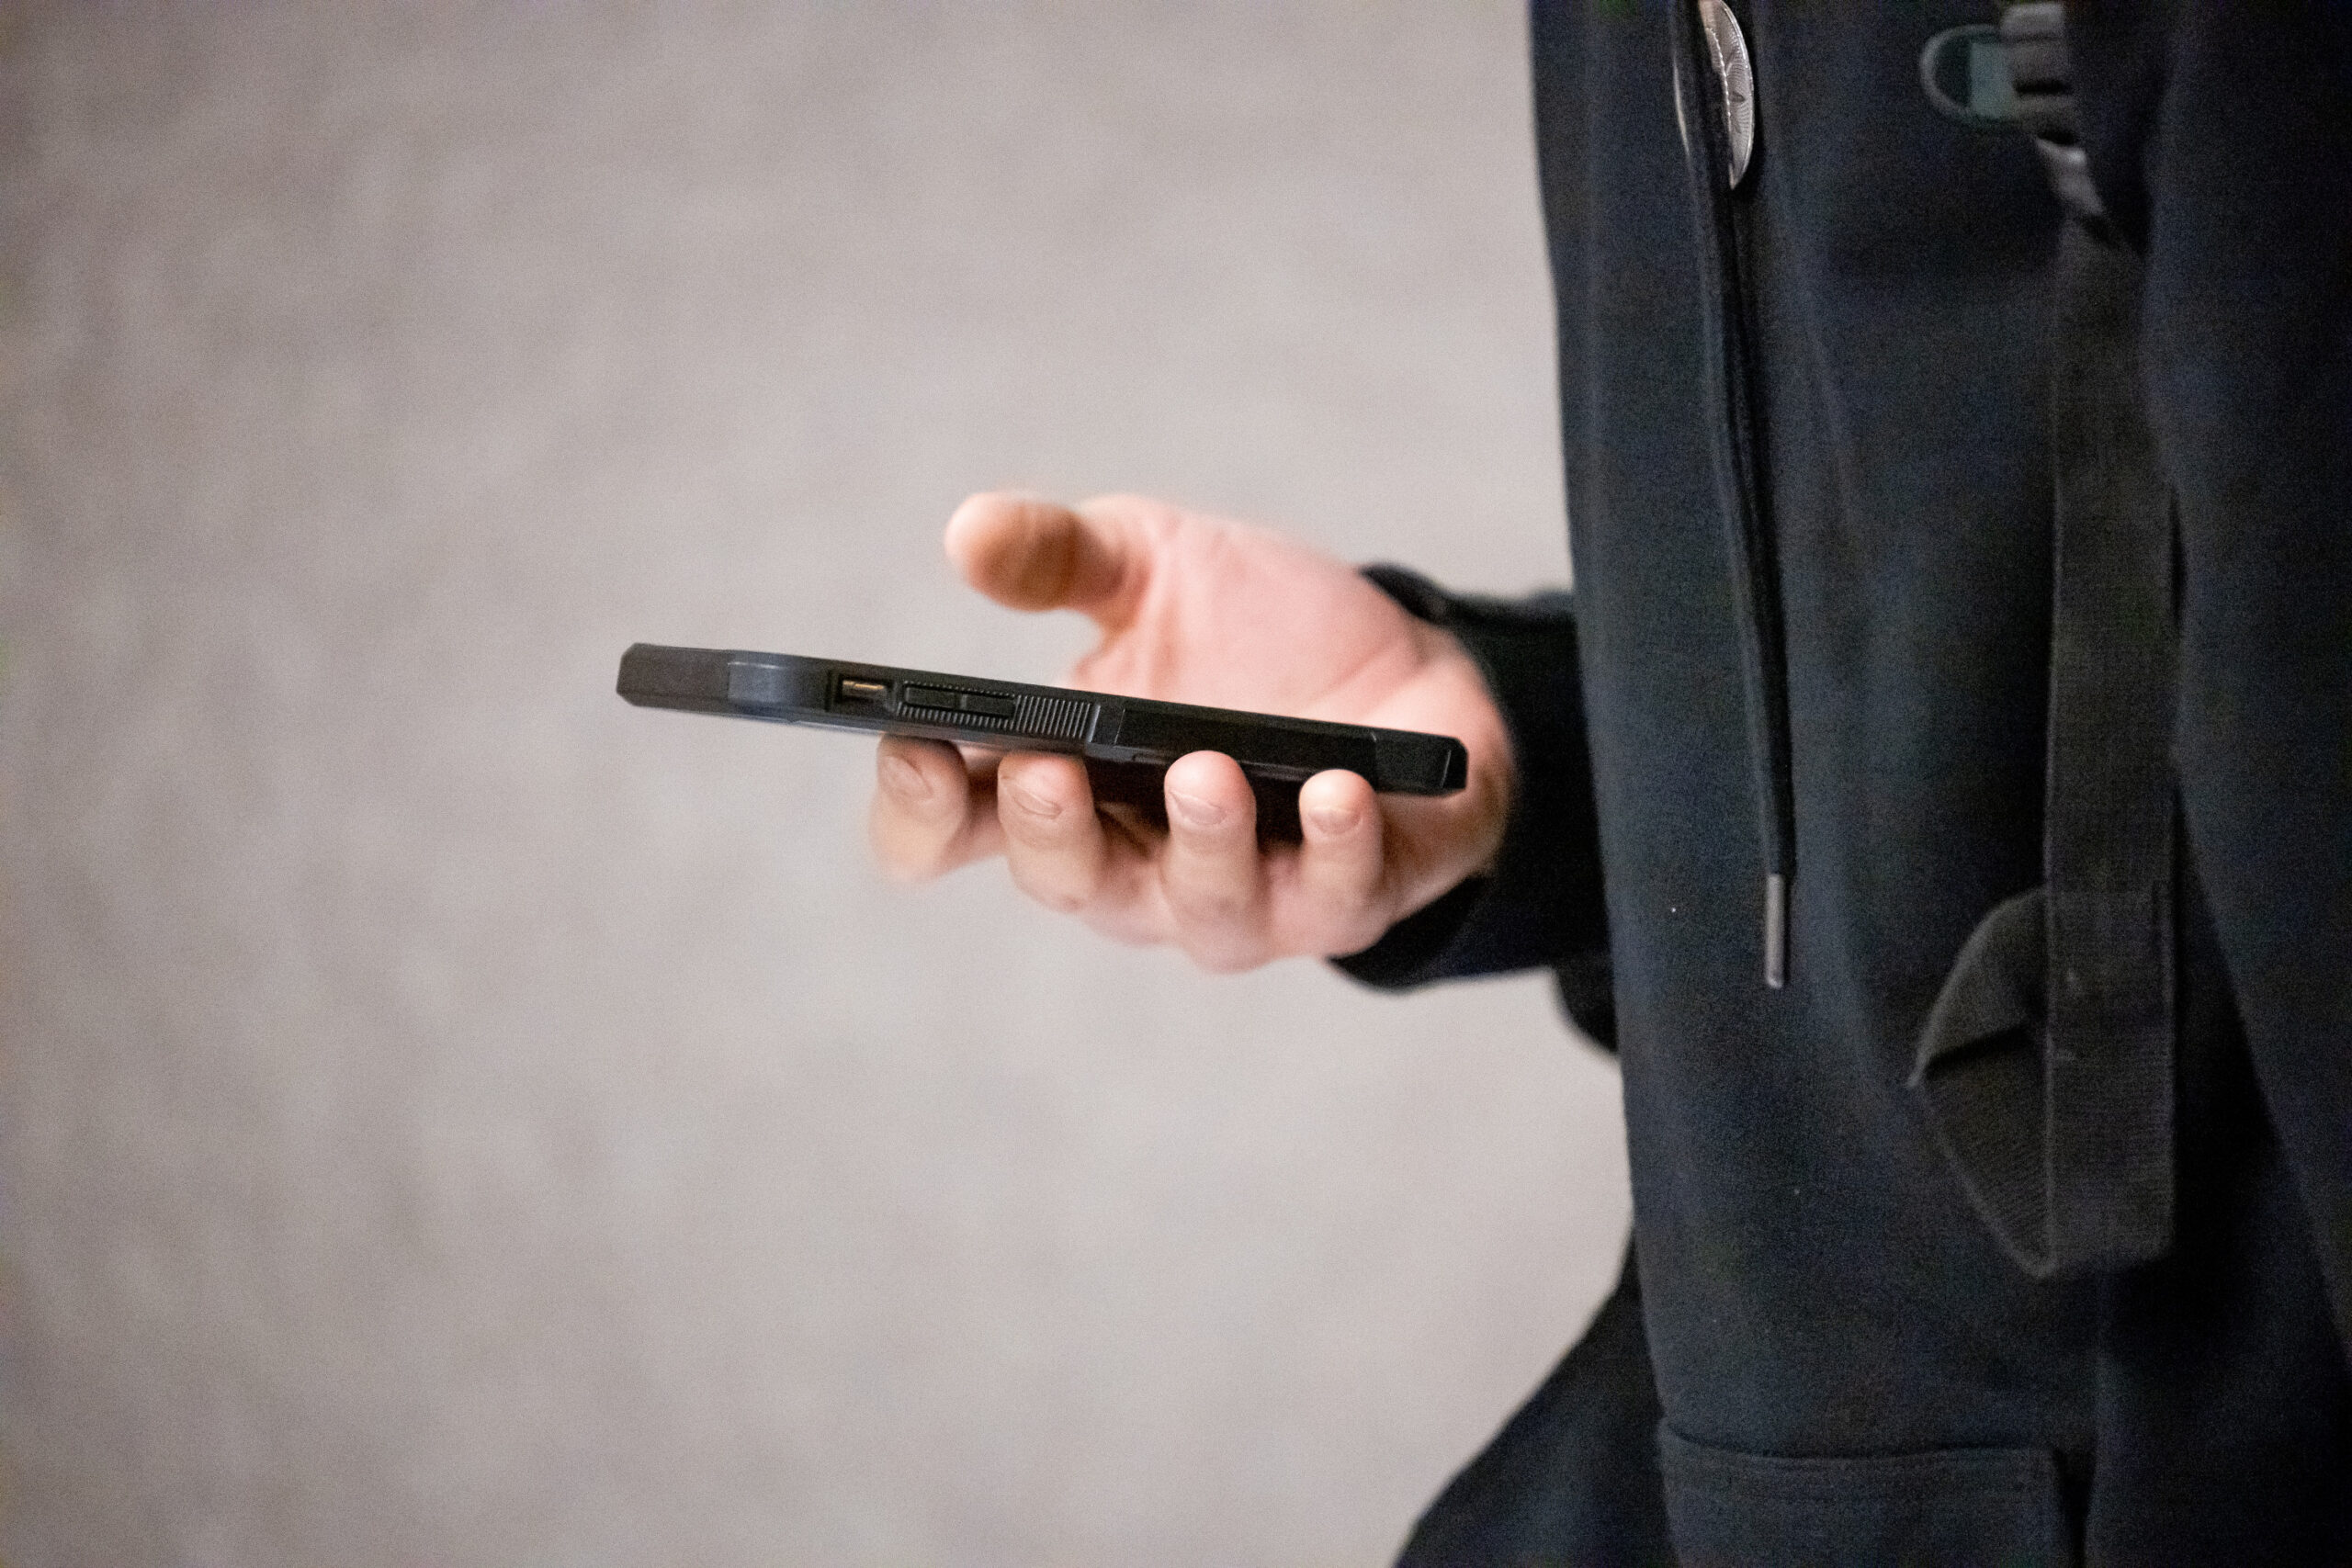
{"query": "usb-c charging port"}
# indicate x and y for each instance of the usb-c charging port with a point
(852, 689)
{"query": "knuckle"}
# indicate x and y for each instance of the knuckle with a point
(1061, 880)
(1340, 881)
(1026, 828)
(1210, 907)
(1063, 897)
(1035, 814)
(1330, 920)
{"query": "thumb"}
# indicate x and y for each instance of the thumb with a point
(1032, 554)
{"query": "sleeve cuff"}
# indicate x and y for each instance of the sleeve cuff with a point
(1540, 906)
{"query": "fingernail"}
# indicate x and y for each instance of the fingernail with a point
(1028, 799)
(1334, 820)
(903, 779)
(1194, 811)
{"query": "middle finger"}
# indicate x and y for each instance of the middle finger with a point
(1210, 872)
(1054, 843)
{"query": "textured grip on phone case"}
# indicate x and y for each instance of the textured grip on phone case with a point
(1057, 718)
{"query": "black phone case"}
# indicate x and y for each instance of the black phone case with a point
(1128, 742)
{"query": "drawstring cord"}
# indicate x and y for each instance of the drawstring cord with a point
(1713, 85)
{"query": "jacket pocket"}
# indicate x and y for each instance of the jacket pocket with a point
(1948, 1508)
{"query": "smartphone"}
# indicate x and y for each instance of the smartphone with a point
(1127, 742)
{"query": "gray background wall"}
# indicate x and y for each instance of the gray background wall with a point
(450, 1117)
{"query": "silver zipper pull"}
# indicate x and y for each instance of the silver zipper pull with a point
(1735, 80)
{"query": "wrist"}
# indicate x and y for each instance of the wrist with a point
(1479, 722)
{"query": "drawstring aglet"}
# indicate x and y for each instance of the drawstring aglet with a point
(1776, 930)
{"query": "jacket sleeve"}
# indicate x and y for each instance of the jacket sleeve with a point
(1541, 905)
(2220, 138)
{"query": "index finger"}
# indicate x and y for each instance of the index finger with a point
(1033, 554)
(933, 810)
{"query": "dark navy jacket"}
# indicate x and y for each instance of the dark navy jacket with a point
(1821, 1356)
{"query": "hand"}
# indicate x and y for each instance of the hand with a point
(1198, 609)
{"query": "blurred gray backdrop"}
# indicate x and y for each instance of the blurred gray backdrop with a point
(453, 1118)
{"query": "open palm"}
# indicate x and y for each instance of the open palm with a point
(1201, 610)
